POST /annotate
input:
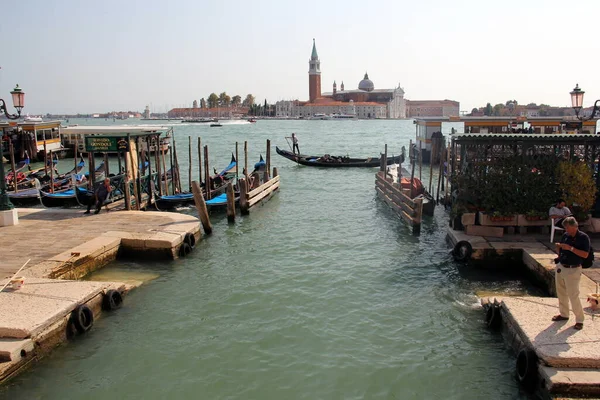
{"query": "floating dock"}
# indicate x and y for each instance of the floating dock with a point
(63, 246)
(552, 357)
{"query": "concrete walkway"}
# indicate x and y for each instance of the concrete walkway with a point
(50, 236)
(67, 244)
(570, 359)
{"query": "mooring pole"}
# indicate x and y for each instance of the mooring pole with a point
(201, 207)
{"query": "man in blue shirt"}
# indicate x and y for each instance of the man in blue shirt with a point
(573, 248)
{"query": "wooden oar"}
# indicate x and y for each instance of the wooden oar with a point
(13, 277)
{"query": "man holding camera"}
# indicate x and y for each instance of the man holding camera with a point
(573, 248)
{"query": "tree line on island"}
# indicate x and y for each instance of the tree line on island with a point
(512, 108)
(224, 100)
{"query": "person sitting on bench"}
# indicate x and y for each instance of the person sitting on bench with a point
(559, 212)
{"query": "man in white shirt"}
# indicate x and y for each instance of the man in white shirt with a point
(559, 212)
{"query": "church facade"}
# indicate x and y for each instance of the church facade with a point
(365, 102)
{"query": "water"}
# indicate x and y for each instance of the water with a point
(322, 293)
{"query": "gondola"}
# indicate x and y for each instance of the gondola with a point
(336, 162)
(25, 198)
(73, 197)
(186, 198)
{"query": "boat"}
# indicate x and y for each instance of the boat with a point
(201, 120)
(252, 120)
(72, 197)
(185, 198)
(344, 116)
(216, 125)
(25, 198)
(32, 119)
(336, 162)
(319, 116)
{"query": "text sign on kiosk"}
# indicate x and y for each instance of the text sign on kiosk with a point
(105, 144)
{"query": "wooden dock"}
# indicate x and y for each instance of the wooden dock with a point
(411, 211)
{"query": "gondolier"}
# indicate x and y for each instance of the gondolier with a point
(294, 143)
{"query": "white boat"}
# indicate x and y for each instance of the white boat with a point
(32, 119)
(320, 116)
(344, 116)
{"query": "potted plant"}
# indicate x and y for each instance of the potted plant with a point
(578, 188)
(534, 215)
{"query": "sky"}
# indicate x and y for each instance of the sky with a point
(93, 57)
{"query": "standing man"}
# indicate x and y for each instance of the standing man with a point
(559, 212)
(573, 248)
(295, 144)
(101, 195)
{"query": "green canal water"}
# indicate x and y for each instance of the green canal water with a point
(322, 293)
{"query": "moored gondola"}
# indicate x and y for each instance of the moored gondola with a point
(329, 161)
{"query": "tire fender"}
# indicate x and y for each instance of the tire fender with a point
(527, 368)
(462, 251)
(190, 239)
(82, 318)
(184, 249)
(493, 317)
(112, 300)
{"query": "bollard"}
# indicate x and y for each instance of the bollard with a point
(230, 203)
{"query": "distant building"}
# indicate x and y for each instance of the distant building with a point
(195, 104)
(432, 108)
(364, 102)
(146, 112)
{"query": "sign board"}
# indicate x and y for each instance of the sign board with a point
(105, 144)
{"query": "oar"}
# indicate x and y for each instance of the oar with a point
(13, 277)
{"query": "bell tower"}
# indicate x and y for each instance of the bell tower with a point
(314, 75)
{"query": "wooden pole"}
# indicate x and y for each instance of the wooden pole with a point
(51, 173)
(149, 187)
(91, 169)
(201, 207)
(207, 180)
(157, 163)
(11, 151)
(447, 192)
(173, 171)
(190, 161)
(246, 160)
(412, 171)
(133, 173)
(162, 151)
(139, 168)
(275, 172)
(440, 148)
(268, 159)
(243, 196)
(431, 165)
(230, 203)
(75, 152)
(126, 181)
(420, 160)
(176, 160)
(46, 160)
(106, 168)
(237, 163)
(200, 160)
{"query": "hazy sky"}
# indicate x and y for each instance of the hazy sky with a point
(84, 56)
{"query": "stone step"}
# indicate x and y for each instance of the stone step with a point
(571, 381)
(14, 349)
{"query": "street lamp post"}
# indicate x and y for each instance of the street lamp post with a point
(18, 98)
(577, 104)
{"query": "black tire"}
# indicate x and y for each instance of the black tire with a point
(184, 250)
(493, 317)
(112, 300)
(462, 251)
(190, 239)
(527, 368)
(82, 318)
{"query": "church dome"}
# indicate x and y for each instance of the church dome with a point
(366, 84)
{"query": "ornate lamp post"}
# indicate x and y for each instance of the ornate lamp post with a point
(577, 104)
(18, 98)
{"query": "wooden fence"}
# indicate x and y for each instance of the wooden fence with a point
(411, 211)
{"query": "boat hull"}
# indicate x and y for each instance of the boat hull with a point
(313, 161)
